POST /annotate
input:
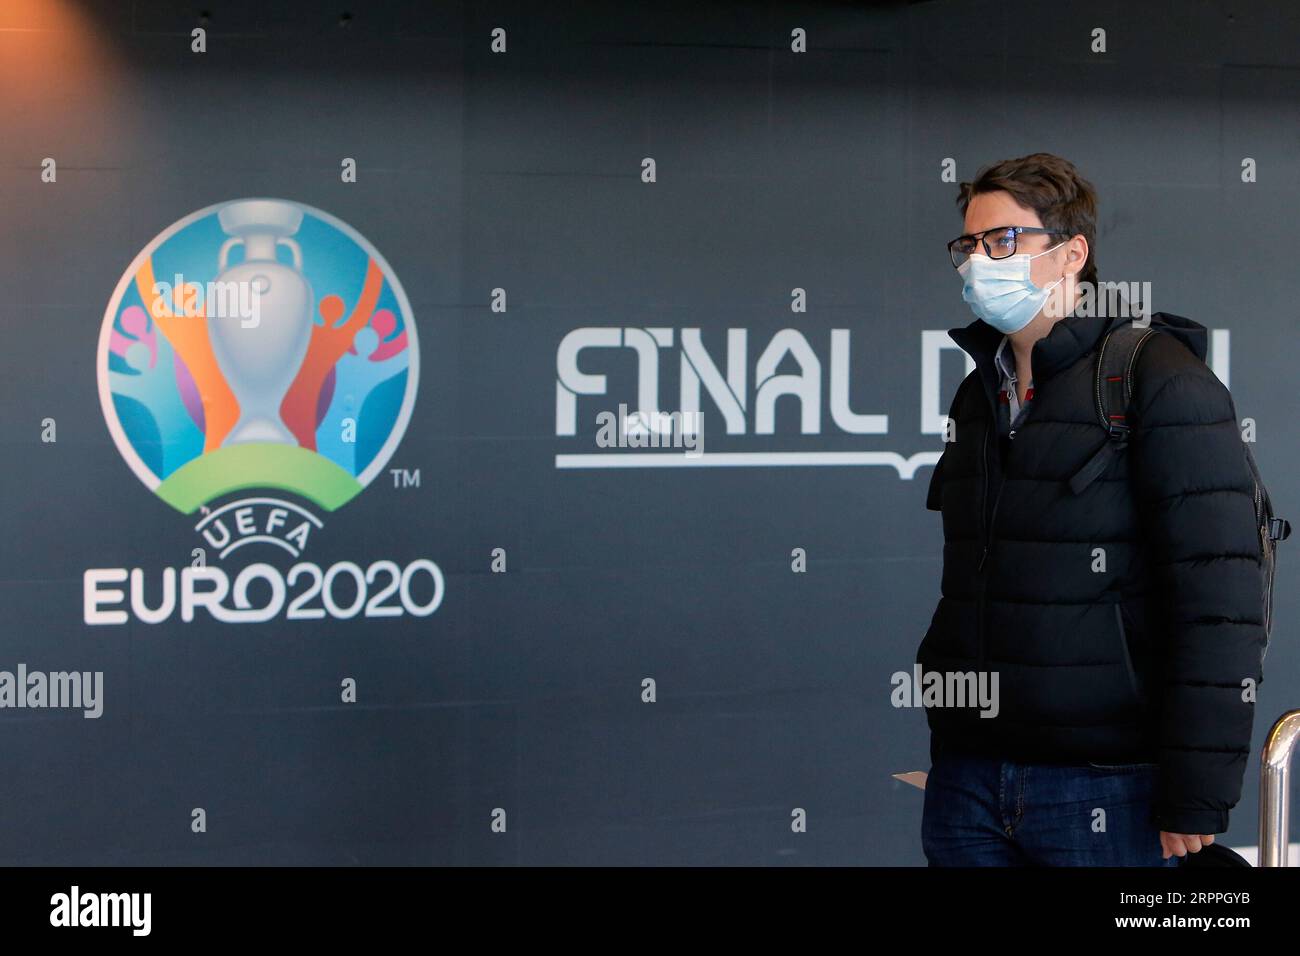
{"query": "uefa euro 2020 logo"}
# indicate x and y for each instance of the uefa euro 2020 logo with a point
(257, 344)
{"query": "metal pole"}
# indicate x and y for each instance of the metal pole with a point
(1274, 794)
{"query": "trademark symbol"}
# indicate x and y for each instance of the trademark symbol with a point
(405, 478)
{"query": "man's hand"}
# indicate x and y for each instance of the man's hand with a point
(1180, 844)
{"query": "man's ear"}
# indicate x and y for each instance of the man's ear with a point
(1077, 254)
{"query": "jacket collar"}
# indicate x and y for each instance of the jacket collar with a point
(1069, 339)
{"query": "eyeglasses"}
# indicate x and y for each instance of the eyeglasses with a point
(998, 242)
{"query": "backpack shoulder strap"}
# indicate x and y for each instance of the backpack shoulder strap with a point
(1113, 393)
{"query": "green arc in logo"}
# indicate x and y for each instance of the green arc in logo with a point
(285, 467)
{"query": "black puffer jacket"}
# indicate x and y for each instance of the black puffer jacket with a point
(1142, 661)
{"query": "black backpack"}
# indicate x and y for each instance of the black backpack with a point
(1116, 358)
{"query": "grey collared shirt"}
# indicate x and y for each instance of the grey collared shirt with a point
(1005, 363)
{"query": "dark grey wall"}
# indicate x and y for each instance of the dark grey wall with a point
(521, 170)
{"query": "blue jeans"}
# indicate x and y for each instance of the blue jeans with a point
(982, 811)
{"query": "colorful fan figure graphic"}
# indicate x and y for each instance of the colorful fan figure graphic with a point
(258, 344)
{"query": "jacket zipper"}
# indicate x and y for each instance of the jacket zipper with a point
(984, 499)
(987, 525)
(981, 629)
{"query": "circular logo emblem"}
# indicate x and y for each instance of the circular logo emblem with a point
(258, 343)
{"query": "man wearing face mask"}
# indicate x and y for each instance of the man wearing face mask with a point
(1121, 614)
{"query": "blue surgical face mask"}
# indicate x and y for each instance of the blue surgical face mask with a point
(1000, 292)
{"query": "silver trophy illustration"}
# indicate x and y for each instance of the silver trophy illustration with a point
(261, 360)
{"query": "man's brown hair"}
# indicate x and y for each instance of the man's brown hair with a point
(1053, 188)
